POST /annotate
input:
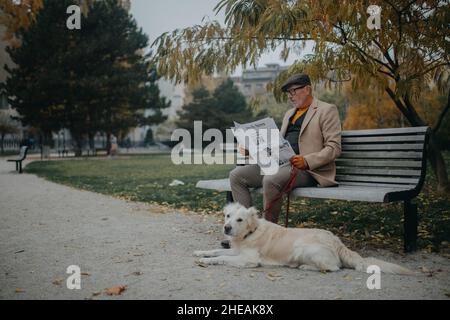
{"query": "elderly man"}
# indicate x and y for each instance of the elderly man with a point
(313, 129)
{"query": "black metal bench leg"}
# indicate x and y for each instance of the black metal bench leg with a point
(17, 166)
(410, 226)
(229, 197)
(20, 167)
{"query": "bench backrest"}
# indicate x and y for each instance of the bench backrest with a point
(23, 152)
(383, 157)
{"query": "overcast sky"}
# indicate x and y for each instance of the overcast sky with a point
(158, 16)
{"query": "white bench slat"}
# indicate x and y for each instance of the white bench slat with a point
(383, 147)
(368, 139)
(377, 184)
(382, 155)
(355, 193)
(380, 172)
(389, 131)
(382, 179)
(379, 163)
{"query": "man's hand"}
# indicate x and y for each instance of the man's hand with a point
(243, 151)
(299, 162)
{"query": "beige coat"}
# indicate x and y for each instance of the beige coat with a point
(319, 140)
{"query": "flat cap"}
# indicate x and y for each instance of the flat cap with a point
(299, 78)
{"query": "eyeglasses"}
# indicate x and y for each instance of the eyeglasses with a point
(293, 91)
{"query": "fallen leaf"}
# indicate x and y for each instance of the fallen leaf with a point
(348, 277)
(85, 274)
(58, 282)
(273, 276)
(200, 264)
(425, 269)
(115, 291)
(19, 290)
(97, 293)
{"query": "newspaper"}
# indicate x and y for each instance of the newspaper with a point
(265, 144)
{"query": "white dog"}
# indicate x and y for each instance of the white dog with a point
(256, 241)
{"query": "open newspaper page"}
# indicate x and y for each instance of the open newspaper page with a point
(265, 144)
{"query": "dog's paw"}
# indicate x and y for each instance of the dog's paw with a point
(204, 261)
(200, 253)
(210, 261)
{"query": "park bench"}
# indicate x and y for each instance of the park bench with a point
(380, 165)
(20, 158)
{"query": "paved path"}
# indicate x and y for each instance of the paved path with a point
(46, 227)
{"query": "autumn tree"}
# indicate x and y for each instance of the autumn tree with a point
(410, 49)
(16, 15)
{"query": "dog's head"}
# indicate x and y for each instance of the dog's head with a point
(239, 221)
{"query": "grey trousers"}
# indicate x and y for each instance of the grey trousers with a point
(242, 178)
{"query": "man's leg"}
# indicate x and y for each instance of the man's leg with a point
(274, 184)
(242, 178)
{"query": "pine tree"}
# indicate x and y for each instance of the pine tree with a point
(88, 80)
(219, 110)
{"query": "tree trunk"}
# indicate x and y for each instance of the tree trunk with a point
(3, 139)
(91, 142)
(108, 143)
(438, 164)
(78, 145)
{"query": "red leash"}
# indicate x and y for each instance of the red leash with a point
(287, 189)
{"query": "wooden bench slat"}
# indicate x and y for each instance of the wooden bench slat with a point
(217, 184)
(376, 179)
(350, 193)
(382, 154)
(383, 185)
(410, 138)
(379, 163)
(397, 146)
(381, 172)
(379, 132)
(373, 193)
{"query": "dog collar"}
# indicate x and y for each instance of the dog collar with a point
(248, 234)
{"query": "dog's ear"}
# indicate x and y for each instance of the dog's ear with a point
(253, 212)
(229, 208)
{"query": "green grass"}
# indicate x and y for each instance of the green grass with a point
(147, 179)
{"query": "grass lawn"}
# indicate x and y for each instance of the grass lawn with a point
(147, 178)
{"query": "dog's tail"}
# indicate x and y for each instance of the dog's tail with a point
(353, 260)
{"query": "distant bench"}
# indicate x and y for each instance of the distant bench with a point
(20, 158)
(381, 165)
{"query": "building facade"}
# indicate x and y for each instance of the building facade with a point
(253, 82)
